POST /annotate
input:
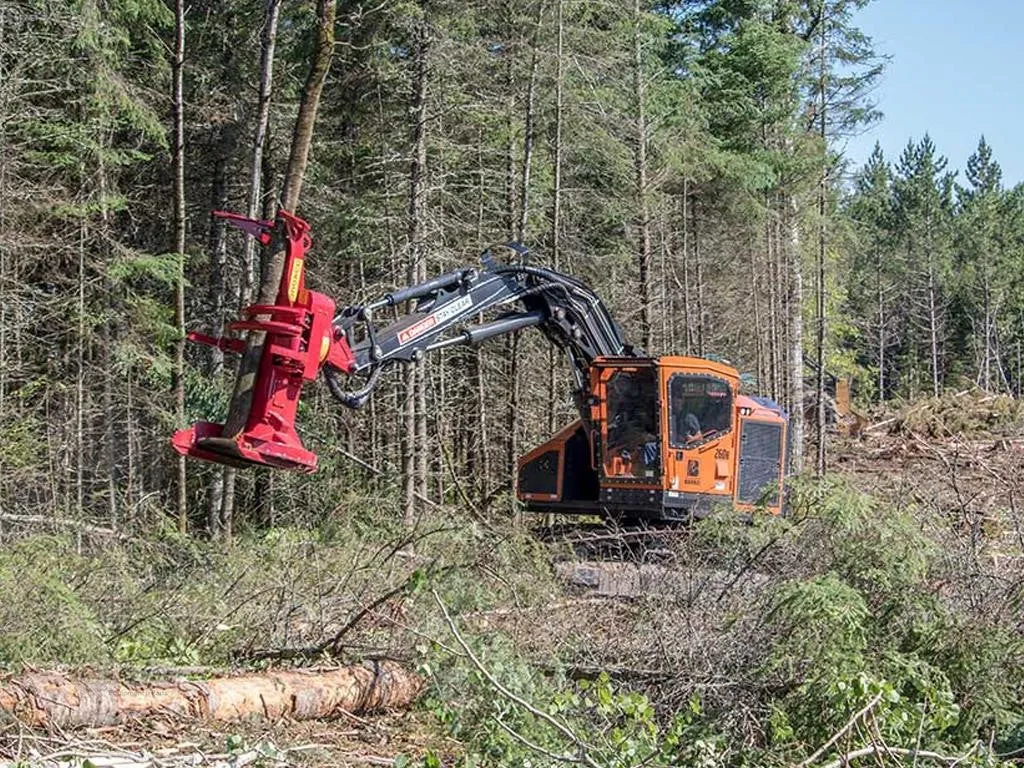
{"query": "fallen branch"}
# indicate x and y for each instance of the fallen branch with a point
(332, 647)
(581, 746)
(42, 698)
(839, 734)
(875, 749)
(67, 752)
(78, 525)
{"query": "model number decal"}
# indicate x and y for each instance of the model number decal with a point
(442, 315)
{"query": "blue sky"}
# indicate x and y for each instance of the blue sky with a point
(956, 72)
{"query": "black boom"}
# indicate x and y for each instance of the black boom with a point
(570, 314)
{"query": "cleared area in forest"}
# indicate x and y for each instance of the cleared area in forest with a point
(914, 590)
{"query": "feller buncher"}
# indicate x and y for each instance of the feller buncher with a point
(658, 438)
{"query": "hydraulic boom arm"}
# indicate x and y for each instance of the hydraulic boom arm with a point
(564, 309)
(303, 335)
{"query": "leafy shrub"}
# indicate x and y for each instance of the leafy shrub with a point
(43, 618)
(611, 727)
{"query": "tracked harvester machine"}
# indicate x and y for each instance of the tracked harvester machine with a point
(658, 438)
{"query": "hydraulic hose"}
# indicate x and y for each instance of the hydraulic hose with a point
(351, 399)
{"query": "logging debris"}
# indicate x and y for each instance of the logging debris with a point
(969, 413)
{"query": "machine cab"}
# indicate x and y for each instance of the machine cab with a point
(664, 439)
(675, 432)
(666, 422)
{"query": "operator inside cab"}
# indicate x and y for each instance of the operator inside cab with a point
(633, 444)
(691, 427)
(701, 409)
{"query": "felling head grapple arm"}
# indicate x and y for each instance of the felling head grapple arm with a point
(304, 336)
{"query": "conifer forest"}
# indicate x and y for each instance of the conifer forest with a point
(401, 606)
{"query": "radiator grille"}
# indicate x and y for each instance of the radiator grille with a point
(760, 462)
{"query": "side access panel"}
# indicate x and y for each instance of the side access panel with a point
(559, 472)
(762, 447)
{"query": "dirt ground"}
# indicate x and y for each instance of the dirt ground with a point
(349, 741)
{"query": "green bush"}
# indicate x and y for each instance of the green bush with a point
(43, 618)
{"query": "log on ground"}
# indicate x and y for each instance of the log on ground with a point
(50, 698)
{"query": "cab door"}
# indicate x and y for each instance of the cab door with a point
(630, 416)
(700, 430)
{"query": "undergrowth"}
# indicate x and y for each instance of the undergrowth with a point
(844, 618)
(851, 613)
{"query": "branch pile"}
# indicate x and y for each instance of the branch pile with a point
(965, 414)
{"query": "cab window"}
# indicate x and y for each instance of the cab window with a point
(700, 408)
(631, 439)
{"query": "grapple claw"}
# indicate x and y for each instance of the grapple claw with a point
(299, 339)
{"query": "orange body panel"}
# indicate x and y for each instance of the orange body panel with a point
(556, 443)
(640, 454)
(708, 465)
(750, 411)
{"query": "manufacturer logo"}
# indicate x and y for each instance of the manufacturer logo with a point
(294, 279)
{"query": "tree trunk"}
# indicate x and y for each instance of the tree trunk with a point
(256, 206)
(796, 330)
(80, 458)
(687, 310)
(880, 297)
(80, 381)
(178, 160)
(259, 143)
(819, 421)
(414, 459)
(643, 206)
(479, 465)
(698, 270)
(511, 220)
(556, 204)
(273, 263)
(528, 130)
(3, 291)
(933, 325)
(52, 699)
(217, 247)
(755, 303)
(109, 419)
(773, 261)
(529, 119)
(986, 367)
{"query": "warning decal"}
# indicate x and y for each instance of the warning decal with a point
(442, 315)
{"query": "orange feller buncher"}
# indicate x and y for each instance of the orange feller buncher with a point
(658, 438)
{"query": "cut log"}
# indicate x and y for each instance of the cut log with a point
(49, 698)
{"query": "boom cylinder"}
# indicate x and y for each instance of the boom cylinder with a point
(428, 288)
(503, 325)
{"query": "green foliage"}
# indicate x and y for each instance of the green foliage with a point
(865, 624)
(614, 727)
(43, 618)
(983, 661)
(133, 266)
(823, 622)
(935, 271)
(22, 443)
